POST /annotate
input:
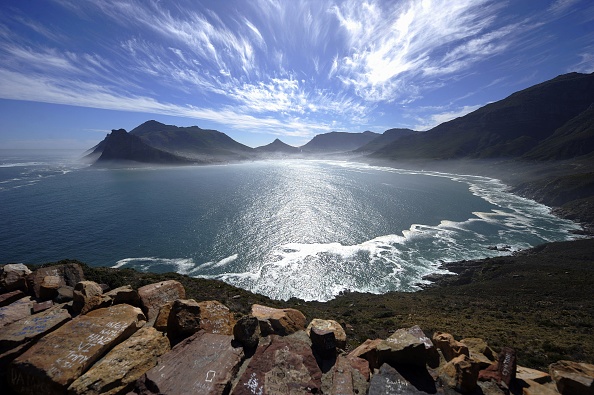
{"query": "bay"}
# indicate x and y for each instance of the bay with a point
(286, 228)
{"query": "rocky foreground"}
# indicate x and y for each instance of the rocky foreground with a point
(60, 333)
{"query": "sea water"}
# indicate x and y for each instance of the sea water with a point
(284, 228)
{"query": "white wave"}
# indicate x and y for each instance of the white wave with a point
(22, 164)
(226, 261)
(180, 265)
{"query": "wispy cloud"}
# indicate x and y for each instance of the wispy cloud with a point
(431, 120)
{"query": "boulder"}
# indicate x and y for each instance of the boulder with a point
(204, 363)
(121, 367)
(163, 317)
(215, 317)
(184, 319)
(573, 377)
(389, 381)
(368, 351)
(70, 274)
(534, 388)
(65, 294)
(154, 296)
(48, 288)
(125, 294)
(14, 277)
(347, 377)
(490, 373)
(15, 311)
(31, 328)
(85, 297)
(478, 346)
(450, 348)
(408, 346)
(281, 322)
(9, 297)
(330, 325)
(247, 332)
(460, 373)
(526, 374)
(280, 366)
(323, 343)
(60, 357)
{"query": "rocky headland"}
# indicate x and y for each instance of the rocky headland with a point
(70, 328)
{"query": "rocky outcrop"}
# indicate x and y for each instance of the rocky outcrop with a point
(113, 350)
(14, 277)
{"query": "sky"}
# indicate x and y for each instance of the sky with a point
(72, 70)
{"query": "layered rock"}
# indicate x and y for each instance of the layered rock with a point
(154, 296)
(122, 366)
(204, 363)
(68, 274)
(62, 356)
(278, 321)
(14, 277)
(573, 378)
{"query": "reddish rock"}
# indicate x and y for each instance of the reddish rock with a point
(204, 363)
(48, 289)
(280, 366)
(15, 311)
(507, 365)
(389, 381)
(65, 294)
(368, 351)
(573, 378)
(154, 296)
(450, 348)
(184, 319)
(84, 297)
(163, 317)
(490, 373)
(349, 376)
(323, 343)
(534, 388)
(330, 325)
(31, 328)
(215, 317)
(278, 321)
(408, 346)
(59, 358)
(9, 297)
(122, 366)
(478, 346)
(42, 306)
(461, 373)
(70, 274)
(125, 294)
(247, 331)
(14, 277)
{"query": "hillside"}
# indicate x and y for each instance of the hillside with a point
(505, 129)
(389, 136)
(192, 142)
(122, 146)
(277, 146)
(338, 142)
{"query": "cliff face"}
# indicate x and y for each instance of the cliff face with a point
(122, 146)
(338, 142)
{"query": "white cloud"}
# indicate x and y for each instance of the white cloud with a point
(432, 120)
(585, 64)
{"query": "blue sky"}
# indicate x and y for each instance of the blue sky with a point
(71, 70)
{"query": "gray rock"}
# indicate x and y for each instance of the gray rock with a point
(389, 381)
(14, 277)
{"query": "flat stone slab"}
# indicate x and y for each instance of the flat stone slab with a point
(16, 311)
(204, 363)
(62, 356)
(31, 328)
(154, 296)
(573, 377)
(122, 366)
(524, 373)
(10, 297)
(389, 381)
(281, 366)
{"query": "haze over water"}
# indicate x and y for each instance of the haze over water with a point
(293, 228)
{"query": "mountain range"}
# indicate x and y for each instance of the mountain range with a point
(549, 121)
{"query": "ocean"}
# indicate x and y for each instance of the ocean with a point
(283, 228)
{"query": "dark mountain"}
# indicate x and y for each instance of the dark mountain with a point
(573, 139)
(122, 146)
(389, 136)
(338, 142)
(508, 128)
(190, 141)
(277, 146)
